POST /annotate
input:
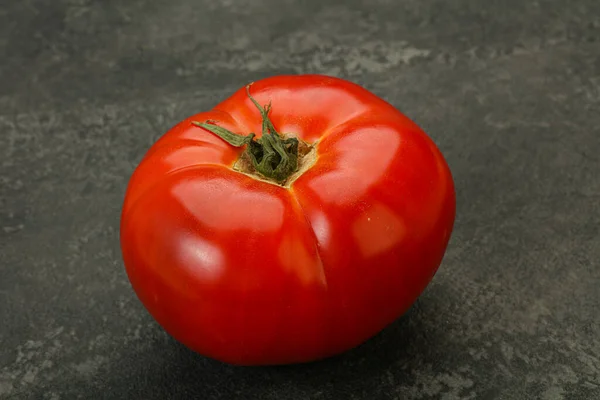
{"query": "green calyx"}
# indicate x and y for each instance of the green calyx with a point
(272, 156)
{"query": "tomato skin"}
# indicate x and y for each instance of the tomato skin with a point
(252, 273)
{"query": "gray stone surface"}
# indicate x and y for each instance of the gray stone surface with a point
(509, 90)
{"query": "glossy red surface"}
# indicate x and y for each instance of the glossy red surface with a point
(248, 272)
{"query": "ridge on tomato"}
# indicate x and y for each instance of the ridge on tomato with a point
(292, 222)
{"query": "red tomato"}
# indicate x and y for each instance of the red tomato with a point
(304, 256)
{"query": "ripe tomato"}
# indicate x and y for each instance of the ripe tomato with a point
(283, 248)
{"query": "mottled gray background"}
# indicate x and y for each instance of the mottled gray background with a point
(509, 90)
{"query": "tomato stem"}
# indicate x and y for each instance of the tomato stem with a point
(272, 156)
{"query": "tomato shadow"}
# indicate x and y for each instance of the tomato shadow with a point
(397, 346)
(159, 368)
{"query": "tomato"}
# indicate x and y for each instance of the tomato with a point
(292, 222)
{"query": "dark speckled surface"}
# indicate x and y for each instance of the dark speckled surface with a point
(510, 91)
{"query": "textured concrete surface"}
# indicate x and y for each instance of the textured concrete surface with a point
(509, 90)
